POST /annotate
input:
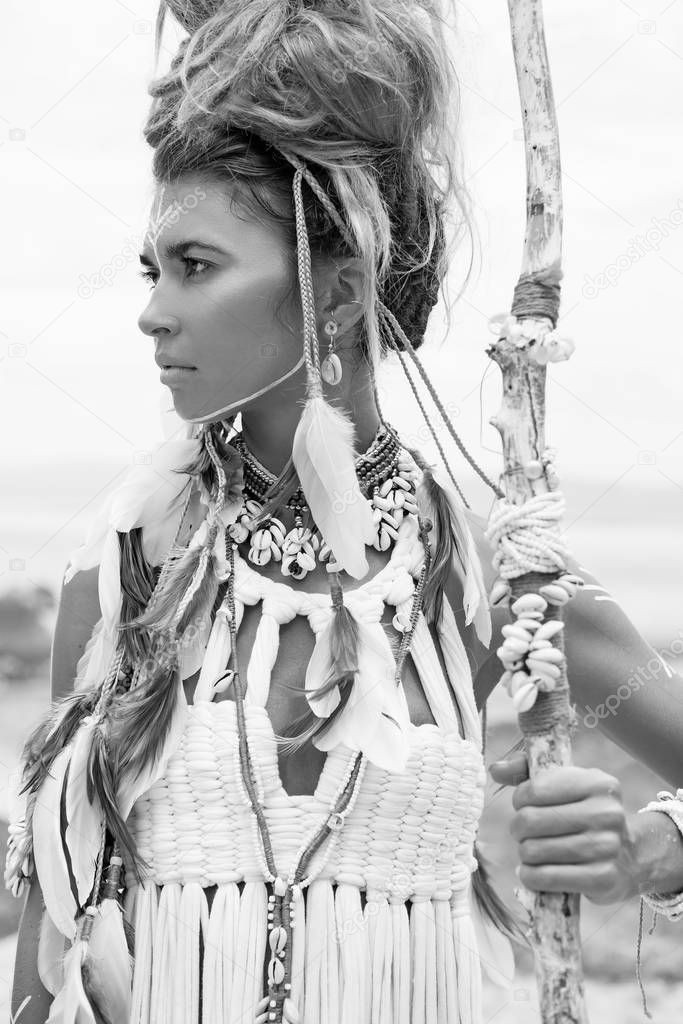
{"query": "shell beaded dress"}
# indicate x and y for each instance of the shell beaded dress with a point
(384, 932)
(387, 929)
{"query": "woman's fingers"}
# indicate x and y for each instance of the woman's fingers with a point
(579, 848)
(601, 881)
(573, 835)
(512, 771)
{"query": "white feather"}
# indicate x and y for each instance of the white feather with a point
(317, 671)
(111, 960)
(363, 724)
(48, 852)
(70, 1005)
(323, 457)
(51, 949)
(85, 821)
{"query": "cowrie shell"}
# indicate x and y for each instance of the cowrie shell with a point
(531, 624)
(277, 939)
(386, 487)
(514, 646)
(499, 592)
(529, 603)
(551, 654)
(549, 629)
(543, 668)
(259, 557)
(513, 629)
(261, 539)
(305, 561)
(525, 697)
(555, 594)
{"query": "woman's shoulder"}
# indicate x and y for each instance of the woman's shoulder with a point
(77, 615)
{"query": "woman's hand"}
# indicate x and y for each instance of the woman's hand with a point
(572, 830)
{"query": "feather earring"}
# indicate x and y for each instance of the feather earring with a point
(323, 452)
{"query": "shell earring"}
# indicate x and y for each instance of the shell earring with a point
(331, 367)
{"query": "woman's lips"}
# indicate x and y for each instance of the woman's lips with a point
(175, 374)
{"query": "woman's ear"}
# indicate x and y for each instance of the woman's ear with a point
(342, 292)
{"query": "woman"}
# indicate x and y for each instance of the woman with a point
(289, 807)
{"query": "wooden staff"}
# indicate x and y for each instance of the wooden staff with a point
(523, 348)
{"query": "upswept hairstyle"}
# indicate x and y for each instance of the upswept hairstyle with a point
(364, 91)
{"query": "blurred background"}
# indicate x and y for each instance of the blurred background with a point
(81, 396)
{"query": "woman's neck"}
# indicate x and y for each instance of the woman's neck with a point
(269, 433)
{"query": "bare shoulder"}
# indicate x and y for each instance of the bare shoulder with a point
(77, 614)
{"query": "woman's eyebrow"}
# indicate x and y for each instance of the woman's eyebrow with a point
(179, 249)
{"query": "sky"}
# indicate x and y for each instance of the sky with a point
(80, 387)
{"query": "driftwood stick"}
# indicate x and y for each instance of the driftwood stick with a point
(528, 471)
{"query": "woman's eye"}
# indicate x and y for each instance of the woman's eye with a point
(149, 275)
(191, 270)
(187, 260)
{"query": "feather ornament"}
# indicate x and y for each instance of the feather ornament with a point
(136, 780)
(84, 819)
(49, 852)
(50, 959)
(147, 493)
(108, 968)
(375, 718)
(323, 456)
(71, 1004)
(464, 559)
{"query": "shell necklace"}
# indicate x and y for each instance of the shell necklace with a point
(387, 476)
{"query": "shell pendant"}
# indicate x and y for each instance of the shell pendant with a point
(331, 368)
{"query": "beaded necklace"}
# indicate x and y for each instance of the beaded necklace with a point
(386, 475)
(282, 902)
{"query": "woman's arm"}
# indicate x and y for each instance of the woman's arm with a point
(30, 999)
(77, 615)
(618, 681)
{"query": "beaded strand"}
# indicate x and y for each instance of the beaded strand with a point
(281, 909)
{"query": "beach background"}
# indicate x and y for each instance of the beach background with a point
(81, 397)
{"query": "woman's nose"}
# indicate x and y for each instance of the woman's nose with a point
(153, 323)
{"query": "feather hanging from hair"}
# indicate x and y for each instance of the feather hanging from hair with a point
(132, 787)
(147, 493)
(49, 853)
(108, 967)
(51, 950)
(466, 562)
(71, 1004)
(323, 455)
(375, 719)
(84, 820)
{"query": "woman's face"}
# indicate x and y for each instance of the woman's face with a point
(216, 279)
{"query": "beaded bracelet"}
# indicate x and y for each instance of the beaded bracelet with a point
(668, 904)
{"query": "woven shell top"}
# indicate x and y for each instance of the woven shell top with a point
(409, 835)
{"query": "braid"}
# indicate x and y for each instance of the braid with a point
(411, 289)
